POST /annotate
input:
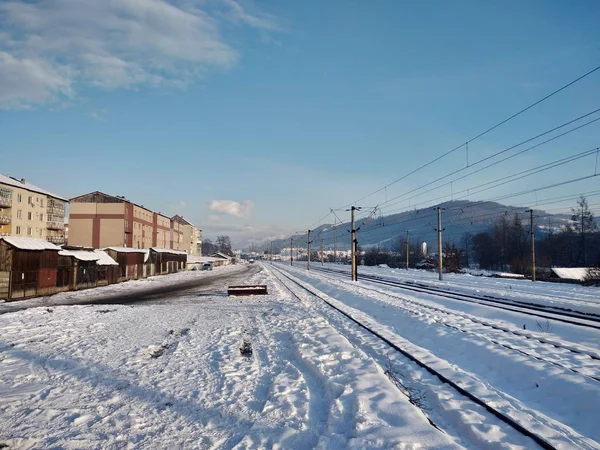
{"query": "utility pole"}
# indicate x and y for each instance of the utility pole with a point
(407, 249)
(353, 247)
(308, 245)
(532, 233)
(322, 250)
(291, 251)
(439, 231)
(334, 252)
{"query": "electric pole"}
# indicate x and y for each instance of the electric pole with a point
(291, 251)
(334, 252)
(353, 247)
(407, 249)
(322, 250)
(308, 245)
(439, 231)
(532, 233)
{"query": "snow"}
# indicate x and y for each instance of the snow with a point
(25, 243)
(105, 259)
(81, 255)
(168, 250)
(171, 376)
(548, 381)
(571, 273)
(126, 249)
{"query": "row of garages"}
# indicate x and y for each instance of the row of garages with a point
(34, 267)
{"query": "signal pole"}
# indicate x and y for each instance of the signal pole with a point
(532, 232)
(308, 245)
(439, 230)
(407, 249)
(291, 251)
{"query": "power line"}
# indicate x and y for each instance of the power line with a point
(478, 136)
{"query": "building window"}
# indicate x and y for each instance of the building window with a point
(40, 233)
(18, 229)
(19, 198)
(30, 200)
(19, 213)
(42, 203)
(29, 231)
(41, 217)
(28, 216)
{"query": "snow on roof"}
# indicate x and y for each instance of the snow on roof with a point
(30, 187)
(191, 259)
(168, 250)
(25, 243)
(105, 259)
(81, 255)
(126, 249)
(571, 273)
(220, 255)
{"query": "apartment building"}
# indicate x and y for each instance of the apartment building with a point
(190, 235)
(29, 211)
(100, 220)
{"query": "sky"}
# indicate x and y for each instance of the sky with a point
(254, 118)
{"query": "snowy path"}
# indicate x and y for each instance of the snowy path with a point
(171, 376)
(521, 368)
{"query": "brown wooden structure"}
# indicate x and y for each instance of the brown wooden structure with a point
(28, 267)
(130, 260)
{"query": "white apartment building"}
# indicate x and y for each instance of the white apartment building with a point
(29, 211)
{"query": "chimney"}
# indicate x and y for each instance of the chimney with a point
(23, 180)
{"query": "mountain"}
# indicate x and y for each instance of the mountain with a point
(458, 219)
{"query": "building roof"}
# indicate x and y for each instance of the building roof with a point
(126, 249)
(191, 259)
(181, 220)
(4, 179)
(220, 255)
(81, 255)
(25, 243)
(571, 273)
(168, 250)
(105, 259)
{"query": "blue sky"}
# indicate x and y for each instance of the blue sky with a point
(254, 118)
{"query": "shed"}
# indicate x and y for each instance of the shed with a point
(83, 268)
(108, 269)
(220, 259)
(167, 260)
(27, 267)
(570, 273)
(130, 260)
(196, 262)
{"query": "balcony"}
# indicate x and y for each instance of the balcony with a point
(56, 239)
(55, 210)
(51, 225)
(5, 202)
(4, 220)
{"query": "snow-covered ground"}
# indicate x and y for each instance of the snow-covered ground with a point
(171, 376)
(547, 379)
(130, 287)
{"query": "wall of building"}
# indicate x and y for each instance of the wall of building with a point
(28, 213)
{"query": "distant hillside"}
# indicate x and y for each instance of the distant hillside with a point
(458, 218)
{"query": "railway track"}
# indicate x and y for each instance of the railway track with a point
(497, 413)
(563, 315)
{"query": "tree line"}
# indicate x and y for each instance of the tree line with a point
(222, 245)
(507, 246)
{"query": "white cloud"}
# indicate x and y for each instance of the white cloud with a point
(98, 115)
(231, 207)
(48, 48)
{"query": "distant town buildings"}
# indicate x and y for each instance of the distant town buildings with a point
(29, 211)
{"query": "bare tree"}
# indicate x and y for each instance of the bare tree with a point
(583, 224)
